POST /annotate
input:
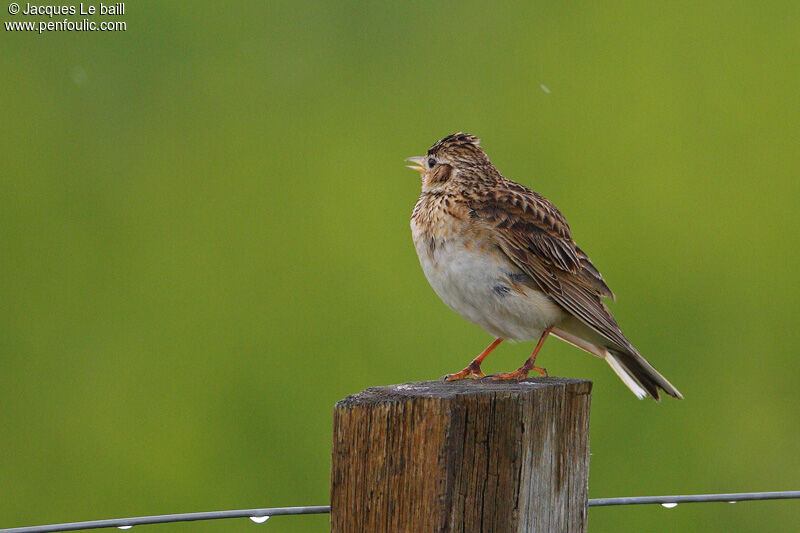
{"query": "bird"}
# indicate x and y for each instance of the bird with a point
(503, 257)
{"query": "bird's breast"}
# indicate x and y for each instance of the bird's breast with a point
(475, 278)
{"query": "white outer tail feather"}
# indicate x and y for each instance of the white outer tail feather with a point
(612, 361)
(624, 375)
(616, 365)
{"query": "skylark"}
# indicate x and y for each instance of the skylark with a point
(502, 256)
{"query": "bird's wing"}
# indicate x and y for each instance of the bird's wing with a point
(535, 236)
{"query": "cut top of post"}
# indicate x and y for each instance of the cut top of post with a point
(464, 387)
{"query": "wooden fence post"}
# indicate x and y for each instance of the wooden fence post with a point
(490, 457)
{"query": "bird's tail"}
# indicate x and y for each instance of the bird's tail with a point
(637, 374)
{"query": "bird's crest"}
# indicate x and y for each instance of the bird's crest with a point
(456, 140)
(461, 148)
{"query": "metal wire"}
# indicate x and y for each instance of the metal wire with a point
(161, 519)
(126, 523)
(694, 498)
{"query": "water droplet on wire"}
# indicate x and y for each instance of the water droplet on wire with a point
(124, 527)
(669, 505)
(733, 501)
(259, 519)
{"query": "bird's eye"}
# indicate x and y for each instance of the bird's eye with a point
(431, 162)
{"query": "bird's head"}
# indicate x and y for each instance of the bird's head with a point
(447, 158)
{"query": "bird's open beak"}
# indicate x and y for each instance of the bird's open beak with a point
(420, 161)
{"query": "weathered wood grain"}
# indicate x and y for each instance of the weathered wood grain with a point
(462, 457)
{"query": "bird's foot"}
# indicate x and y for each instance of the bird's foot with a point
(473, 371)
(519, 374)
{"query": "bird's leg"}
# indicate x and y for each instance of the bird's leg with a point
(473, 369)
(522, 372)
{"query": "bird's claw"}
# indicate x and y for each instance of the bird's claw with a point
(473, 371)
(509, 376)
(519, 374)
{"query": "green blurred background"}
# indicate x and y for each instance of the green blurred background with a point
(204, 242)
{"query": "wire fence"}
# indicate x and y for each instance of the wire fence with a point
(672, 501)
(262, 515)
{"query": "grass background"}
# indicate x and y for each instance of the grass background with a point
(204, 242)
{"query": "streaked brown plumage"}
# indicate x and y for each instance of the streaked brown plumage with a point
(503, 257)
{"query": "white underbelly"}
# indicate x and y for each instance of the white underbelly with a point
(476, 285)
